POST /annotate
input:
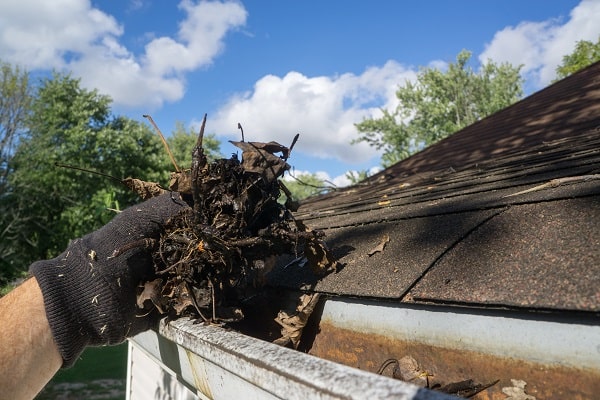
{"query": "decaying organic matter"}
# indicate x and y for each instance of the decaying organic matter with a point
(215, 255)
(409, 370)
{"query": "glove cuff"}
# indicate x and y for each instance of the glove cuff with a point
(63, 320)
(90, 294)
(78, 305)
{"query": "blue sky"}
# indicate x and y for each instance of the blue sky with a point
(282, 67)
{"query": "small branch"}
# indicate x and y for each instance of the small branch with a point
(162, 137)
(292, 145)
(241, 129)
(556, 183)
(91, 171)
(201, 133)
(198, 165)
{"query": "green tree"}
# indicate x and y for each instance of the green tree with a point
(585, 53)
(182, 141)
(357, 176)
(15, 100)
(49, 204)
(440, 103)
(305, 185)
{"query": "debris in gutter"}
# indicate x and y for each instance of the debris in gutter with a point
(292, 325)
(381, 246)
(408, 370)
(517, 391)
(553, 183)
(467, 388)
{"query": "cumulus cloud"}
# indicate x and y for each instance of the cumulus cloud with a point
(324, 108)
(540, 46)
(338, 181)
(42, 34)
(73, 35)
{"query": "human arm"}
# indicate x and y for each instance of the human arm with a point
(29, 356)
(88, 294)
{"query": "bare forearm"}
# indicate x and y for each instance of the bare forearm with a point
(29, 356)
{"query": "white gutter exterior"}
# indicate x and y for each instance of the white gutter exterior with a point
(195, 361)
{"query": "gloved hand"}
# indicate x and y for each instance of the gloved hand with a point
(89, 295)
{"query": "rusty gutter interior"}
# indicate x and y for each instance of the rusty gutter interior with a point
(556, 355)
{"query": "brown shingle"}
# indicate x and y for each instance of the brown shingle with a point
(461, 230)
(541, 255)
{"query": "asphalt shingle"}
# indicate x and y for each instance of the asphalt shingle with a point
(505, 213)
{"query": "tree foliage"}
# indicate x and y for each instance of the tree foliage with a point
(182, 141)
(48, 205)
(305, 185)
(357, 176)
(15, 99)
(585, 53)
(440, 103)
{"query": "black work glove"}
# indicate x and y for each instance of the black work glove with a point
(89, 293)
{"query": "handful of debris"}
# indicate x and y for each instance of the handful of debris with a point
(216, 254)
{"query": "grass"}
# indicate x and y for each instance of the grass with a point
(97, 363)
(100, 373)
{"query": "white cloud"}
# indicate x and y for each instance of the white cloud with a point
(540, 46)
(339, 181)
(41, 34)
(322, 109)
(75, 36)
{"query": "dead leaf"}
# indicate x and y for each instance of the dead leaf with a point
(144, 189)
(408, 370)
(214, 256)
(411, 372)
(467, 388)
(292, 325)
(182, 298)
(181, 182)
(381, 246)
(259, 158)
(517, 391)
(151, 291)
(319, 258)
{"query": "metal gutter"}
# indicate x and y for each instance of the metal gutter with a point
(533, 337)
(219, 364)
(544, 355)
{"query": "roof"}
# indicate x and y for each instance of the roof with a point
(504, 213)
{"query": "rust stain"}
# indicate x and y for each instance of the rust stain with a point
(369, 351)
